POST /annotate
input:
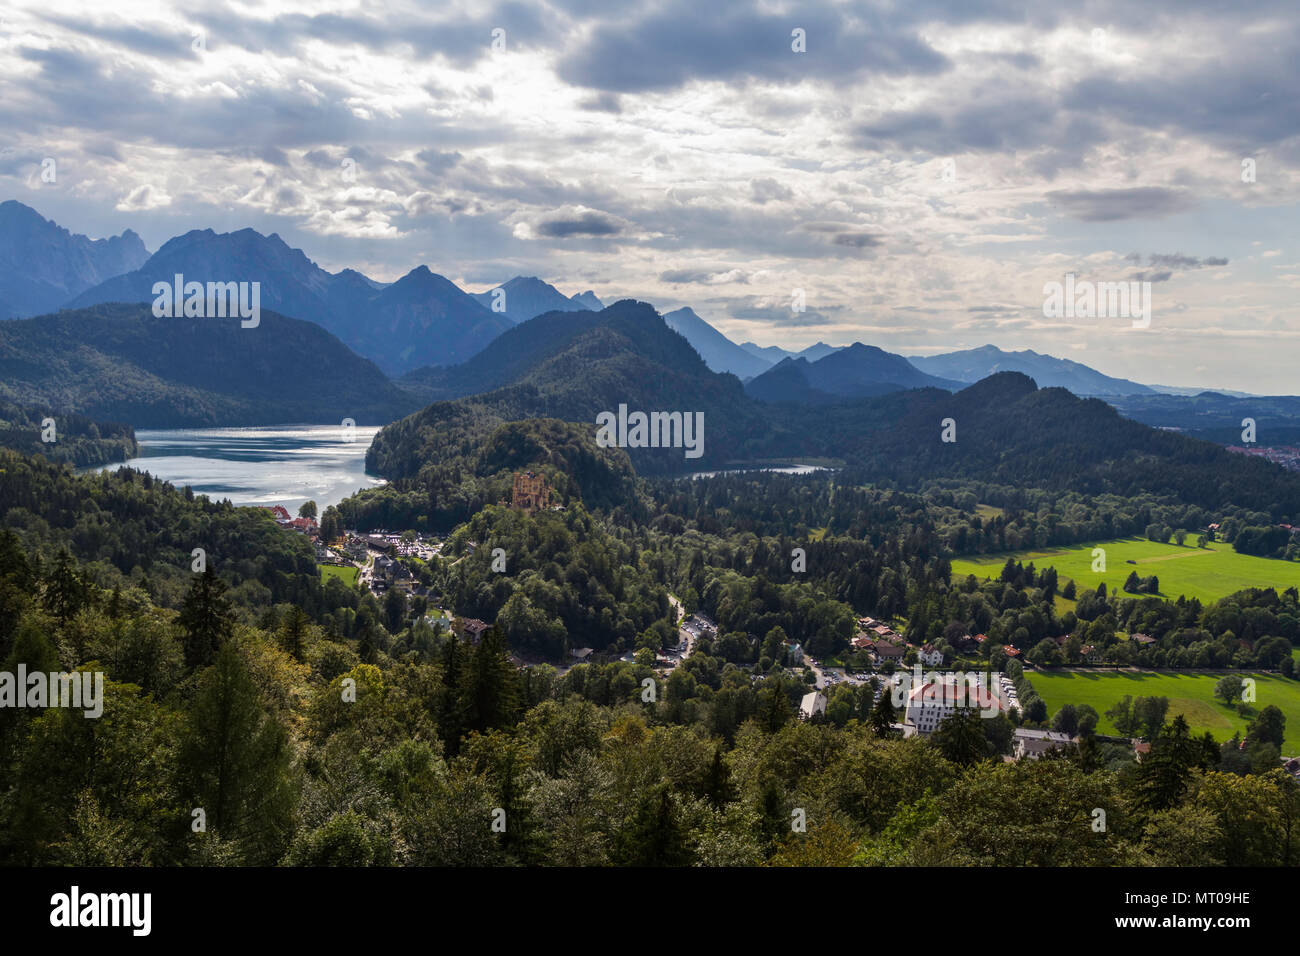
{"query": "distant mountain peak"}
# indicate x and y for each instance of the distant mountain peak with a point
(972, 365)
(719, 352)
(43, 265)
(527, 297)
(421, 319)
(855, 371)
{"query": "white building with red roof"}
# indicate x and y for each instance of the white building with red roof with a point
(934, 700)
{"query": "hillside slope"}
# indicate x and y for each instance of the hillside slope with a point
(120, 363)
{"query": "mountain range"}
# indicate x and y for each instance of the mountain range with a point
(421, 319)
(572, 366)
(1219, 417)
(719, 352)
(43, 265)
(1006, 430)
(853, 372)
(524, 297)
(972, 365)
(774, 354)
(428, 331)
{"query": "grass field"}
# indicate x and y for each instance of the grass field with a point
(1191, 695)
(348, 575)
(1207, 573)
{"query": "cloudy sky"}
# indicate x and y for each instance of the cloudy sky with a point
(920, 169)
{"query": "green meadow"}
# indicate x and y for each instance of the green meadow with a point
(1207, 573)
(348, 574)
(1191, 695)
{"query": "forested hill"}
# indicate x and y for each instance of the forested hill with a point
(572, 366)
(118, 362)
(1008, 431)
(74, 439)
(1217, 417)
(471, 464)
(510, 355)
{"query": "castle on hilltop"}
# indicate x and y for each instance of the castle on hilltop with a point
(531, 492)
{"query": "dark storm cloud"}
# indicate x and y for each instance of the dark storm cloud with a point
(682, 41)
(684, 276)
(438, 161)
(1108, 205)
(164, 41)
(857, 240)
(587, 224)
(1246, 96)
(842, 234)
(462, 40)
(990, 119)
(779, 315)
(1180, 261)
(701, 277)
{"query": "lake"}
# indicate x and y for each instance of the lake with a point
(778, 469)
(273, 465)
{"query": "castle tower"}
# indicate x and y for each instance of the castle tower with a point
(530, 492)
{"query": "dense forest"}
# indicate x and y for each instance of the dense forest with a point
(119, 363)
(74, 439)
(227, 744)
(319, 725)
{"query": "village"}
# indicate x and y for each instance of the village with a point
(879, 656)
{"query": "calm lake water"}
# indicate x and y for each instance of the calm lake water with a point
(779, 469)
(275, 465)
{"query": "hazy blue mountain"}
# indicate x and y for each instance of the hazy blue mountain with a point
(770, 353)
(1217, 416)
(506, 358)
(291, 284)
(719, 352)
(351, 291)
(773, 354)
(789, 380)
(857, 371)
(529, 296)
(1185, 390)
(425, 319)
(42, 265)
(422, 319)
(814, 353)
(971, 365)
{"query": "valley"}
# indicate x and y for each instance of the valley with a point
(489, 551)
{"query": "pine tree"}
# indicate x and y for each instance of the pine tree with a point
(1164, 773)
(293, 632)
(717, 784)
(64, 592)
(491, 684)
(235, 761)
(960, 737)
(654, 836)
(206, 618)
(451, 712)
(882, 714)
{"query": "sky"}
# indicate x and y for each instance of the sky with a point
(916, 171)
